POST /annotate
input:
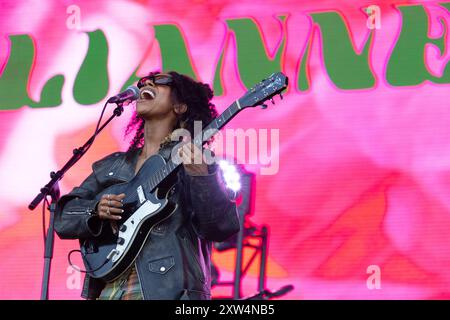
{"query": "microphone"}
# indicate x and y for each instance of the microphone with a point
(131, 93)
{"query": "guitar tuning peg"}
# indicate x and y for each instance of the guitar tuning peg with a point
(264, 106)
(281, 96)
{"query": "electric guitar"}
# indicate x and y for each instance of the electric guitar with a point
(146, 203)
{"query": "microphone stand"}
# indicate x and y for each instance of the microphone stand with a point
(52, 189)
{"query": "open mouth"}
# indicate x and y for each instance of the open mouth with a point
(148, 94)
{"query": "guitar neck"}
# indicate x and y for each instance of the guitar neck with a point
(207, 133)
(220, 121)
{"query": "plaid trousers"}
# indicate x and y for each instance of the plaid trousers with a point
(126, 287)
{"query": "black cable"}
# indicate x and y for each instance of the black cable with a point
(100, 119)
(43, 220)
(83, 271)
(96, 130)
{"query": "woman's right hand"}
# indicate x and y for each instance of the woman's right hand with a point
(110, 206)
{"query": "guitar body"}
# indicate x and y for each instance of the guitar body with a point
(111, 254)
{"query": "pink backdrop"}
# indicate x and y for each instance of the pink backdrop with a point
(364, 172)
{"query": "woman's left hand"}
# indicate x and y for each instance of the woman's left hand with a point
(193, 160)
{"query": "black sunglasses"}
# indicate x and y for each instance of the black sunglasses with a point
(158, 79)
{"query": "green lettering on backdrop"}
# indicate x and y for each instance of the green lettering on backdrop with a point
(407, 65)
(252, 59)
(347, 69)
(217, 85)
(92, 82)
(174, 53)
(16, 74)
(131, 79)
(303, 76)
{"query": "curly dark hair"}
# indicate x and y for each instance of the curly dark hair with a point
(196, 95)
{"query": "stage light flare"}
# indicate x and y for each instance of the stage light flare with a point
(230, 175)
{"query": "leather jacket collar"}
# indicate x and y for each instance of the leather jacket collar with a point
(120, 166)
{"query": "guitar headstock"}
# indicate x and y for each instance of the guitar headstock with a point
(264, 91)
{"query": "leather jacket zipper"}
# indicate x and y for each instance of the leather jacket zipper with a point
(194, 254)
(87, 211)
(75, 212)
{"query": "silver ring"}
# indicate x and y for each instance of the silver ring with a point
(109, 203)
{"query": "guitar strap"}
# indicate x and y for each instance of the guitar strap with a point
(166, 150)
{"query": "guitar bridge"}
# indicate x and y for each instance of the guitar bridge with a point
(112, 254)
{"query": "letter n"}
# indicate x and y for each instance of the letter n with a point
(345, 67)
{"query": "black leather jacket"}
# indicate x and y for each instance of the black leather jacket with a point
(181, 244)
